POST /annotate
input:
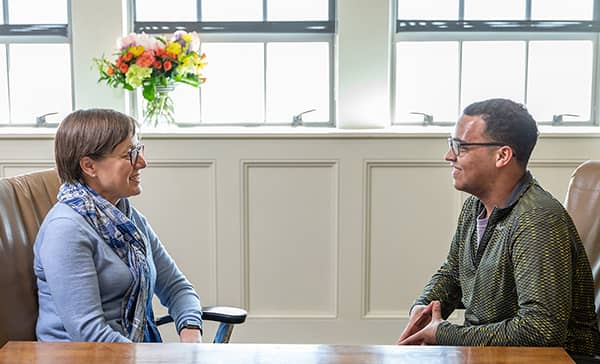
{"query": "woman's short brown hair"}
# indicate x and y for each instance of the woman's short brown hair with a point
(93, 133)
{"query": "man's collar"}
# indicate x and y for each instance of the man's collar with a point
(519, 189)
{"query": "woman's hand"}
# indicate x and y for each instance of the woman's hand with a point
(190, 336)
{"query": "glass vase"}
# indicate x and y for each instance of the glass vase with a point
(160, 111)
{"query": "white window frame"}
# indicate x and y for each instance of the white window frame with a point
(33, 33)
(527, 30)
(257, 32)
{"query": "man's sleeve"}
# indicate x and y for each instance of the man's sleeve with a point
(444, 285)
(542, 262)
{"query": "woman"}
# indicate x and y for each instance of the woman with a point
(97, 260)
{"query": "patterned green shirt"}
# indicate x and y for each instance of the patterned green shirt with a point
(529, 282)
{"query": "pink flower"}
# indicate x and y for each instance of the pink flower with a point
(146, 59)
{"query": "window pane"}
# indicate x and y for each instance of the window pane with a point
(232, 10)
(39, 88)
(560, 79)
(234, 90)
(562, 10)
(46, 11)
(428, 9)
(494, 9)
(186, 100)
(4, 118)
(278, 10)
(155, 10)
(491, 70)
(426, 80)
(297, 81)
(186, 103)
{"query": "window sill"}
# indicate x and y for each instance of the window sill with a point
(301, 132)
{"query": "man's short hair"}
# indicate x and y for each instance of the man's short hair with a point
(93, 133)
(509, 123)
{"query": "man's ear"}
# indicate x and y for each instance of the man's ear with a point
(503, 156)
(88, 167)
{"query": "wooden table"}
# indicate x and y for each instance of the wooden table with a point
(90, 353)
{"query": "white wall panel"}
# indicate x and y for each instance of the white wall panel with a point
(408, 235)
(290, 238)
(179, 201)
(324, 238)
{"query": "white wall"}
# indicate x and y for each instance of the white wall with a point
(322, 237)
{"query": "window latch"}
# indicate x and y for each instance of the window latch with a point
(427, 118)
(41, 120)
(297, 119)
(557, 119)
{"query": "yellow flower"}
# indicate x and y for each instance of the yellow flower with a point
(174, 48)
(187, 37)
(136, 50)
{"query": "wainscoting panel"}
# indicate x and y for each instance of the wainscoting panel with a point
(10, 169)
(323, 238)
(290, 225)
(178, 200)
(407, 235)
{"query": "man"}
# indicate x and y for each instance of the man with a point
(516, 262)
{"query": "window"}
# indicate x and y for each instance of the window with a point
(268, 60)
(35, 60)
(542, 53)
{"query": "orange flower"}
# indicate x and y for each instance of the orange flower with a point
(160, 52)
(123, 68)
(167, 65)
(157, 64)
(128, 57)
(146, 59)
(110, 71)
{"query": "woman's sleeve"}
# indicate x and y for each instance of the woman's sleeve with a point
(66, 255)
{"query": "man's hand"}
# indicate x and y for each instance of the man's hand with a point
(427, 334)
(419, 318)
(190, 336)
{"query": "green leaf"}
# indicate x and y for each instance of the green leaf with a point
(149, 91)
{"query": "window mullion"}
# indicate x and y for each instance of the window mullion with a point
(460, 72)
(5, 11)
(265, 120)
(595, 112)
(526, 92)
(199, 10)
(7, 49)
(264, 10)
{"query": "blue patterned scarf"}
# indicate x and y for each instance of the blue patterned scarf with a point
(120, 233)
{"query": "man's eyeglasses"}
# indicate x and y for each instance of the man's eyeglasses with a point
(456, 145)
(134, 153)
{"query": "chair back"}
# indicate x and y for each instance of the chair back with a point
(583, 204)
(24, 202)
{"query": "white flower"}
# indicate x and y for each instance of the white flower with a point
(128, 41)
(148, 42)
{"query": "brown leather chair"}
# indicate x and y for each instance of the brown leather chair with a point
(24, 202)
(583, 204)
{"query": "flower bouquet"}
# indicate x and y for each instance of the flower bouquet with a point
(156, 64)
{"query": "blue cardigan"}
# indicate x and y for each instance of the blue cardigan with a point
(81, 281)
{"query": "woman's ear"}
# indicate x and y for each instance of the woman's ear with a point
(88, 167)
(504, 156)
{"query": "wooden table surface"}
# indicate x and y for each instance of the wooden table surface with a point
(16, 352)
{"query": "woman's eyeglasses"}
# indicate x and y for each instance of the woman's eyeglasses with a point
(134, 153)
